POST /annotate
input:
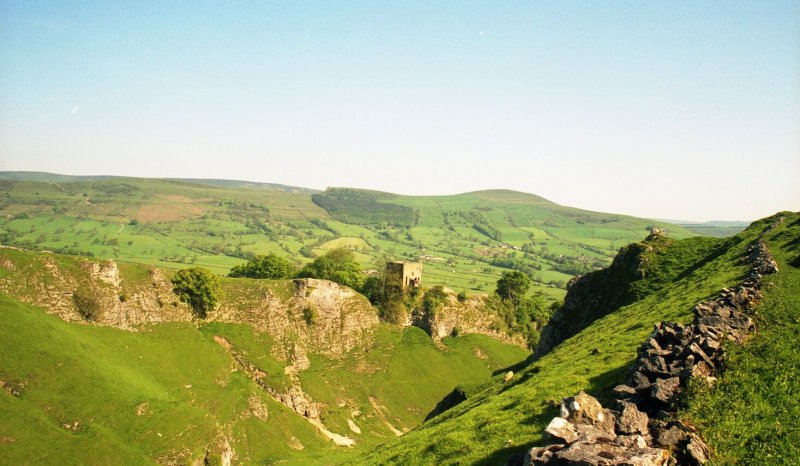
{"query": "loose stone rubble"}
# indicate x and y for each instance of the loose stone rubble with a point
(643, 429)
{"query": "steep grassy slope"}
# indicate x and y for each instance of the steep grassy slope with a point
(466, 240)
(509, 418)
(753, 417)
(170, 392)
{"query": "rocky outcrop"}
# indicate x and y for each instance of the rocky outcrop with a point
(596, 294)
(462, 317)
(131, 296)
(328, 318)
(644, 428)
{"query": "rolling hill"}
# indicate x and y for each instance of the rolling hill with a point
(465, 240)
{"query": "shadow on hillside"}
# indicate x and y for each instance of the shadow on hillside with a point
(514, 368)
(599, 386)
(722, 248)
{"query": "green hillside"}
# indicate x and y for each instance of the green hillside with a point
(752, 418)
(465, 240)
(170, 392)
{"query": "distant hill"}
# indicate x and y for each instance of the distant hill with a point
(234, 184)
(718, 228)
(466, 241)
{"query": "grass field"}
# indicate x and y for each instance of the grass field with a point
(466, 241)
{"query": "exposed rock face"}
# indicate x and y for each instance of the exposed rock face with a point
(343, 319)
(673, 354)
(469, 316)
(594, 295)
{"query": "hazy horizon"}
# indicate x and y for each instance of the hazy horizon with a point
(686, 111)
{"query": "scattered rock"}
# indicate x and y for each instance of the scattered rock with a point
(353, 426)
(561, 429)
(631, 420)
(585, 409)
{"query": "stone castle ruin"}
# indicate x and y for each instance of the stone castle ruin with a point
(402, 275)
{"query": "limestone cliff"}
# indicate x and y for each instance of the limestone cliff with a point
(324, 317)
(462, 317)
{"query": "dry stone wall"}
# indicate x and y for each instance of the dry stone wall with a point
(644, 429)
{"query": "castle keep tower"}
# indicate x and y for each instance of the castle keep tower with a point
(402, 275)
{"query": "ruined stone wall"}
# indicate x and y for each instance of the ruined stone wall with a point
(644, 428)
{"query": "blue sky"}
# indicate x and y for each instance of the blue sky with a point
(686, 110)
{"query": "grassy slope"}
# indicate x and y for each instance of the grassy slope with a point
(753, 416)
(508, 419)
(213, 224)
(194, 400)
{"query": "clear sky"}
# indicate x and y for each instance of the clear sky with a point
(668, 109)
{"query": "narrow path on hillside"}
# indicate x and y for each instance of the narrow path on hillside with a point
(95, 205)
(59, 186)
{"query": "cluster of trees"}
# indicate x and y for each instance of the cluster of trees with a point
(364, 208)
(270, 266)
(199, 288)
(521, 314)
(337, 265)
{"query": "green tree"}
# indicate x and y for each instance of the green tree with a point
(197, 287)
(270, 266)
(512, 286)
(373, 289)
(338, 265)
(433, 299)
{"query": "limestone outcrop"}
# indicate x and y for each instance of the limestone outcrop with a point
(326, 317)
(591, 296)
(467, 316)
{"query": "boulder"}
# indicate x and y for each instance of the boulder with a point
(585, 409)
(540, 455)
(631, 420)
(640, 382)
(610, 454)
(697, 450)
(624, 391)
(591, 434)
(672, 437)
(665, 390)
(561, 429)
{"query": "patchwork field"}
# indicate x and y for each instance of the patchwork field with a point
(465, 241)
